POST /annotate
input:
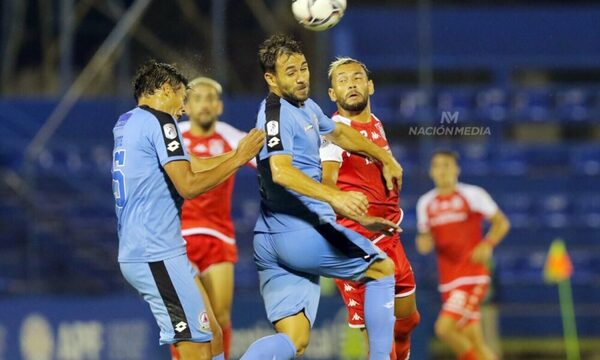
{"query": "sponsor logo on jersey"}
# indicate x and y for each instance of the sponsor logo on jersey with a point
(173, 145)
(272, 128)
(348, 288)
(216, 147)
(273, 142)
(170, 131)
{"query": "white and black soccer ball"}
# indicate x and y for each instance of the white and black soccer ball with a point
(318, 15)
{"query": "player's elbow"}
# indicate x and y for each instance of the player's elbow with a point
(280, 177)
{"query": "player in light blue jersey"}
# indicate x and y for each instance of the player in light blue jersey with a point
(152, 173)
(296, 237)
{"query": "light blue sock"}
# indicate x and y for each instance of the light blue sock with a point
(273, 347)
(379, 317)
(221, 356)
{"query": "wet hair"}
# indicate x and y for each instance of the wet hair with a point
(275, 46)
(339, 61)
(151, 75)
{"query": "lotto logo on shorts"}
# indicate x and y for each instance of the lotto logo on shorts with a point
(180, 326)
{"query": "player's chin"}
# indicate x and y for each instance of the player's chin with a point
(301, 95)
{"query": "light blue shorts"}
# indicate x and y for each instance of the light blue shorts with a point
(174, 298)
(290, 264)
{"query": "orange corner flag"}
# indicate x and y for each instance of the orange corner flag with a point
(558, 266)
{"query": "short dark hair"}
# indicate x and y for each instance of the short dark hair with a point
(273, 47)
(445, 152)
(151, 75)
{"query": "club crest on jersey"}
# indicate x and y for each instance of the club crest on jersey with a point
(272, 128)
(170, 131)
(216, 147)
(273, 142)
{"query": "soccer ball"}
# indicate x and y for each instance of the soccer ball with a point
(318, 15)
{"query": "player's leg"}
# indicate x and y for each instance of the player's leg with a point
(405, 306)
(474, 332)
(347, 255)
(218, 282)
(216, 343)
(450, 332)
(168, 287)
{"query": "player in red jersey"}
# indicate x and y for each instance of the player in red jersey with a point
(206, 221)
(351, 89)
(450, 221)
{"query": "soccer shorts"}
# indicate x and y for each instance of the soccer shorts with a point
(462, 303)
(206, 250)
(168, 287)
(290, 264)
(353, 293)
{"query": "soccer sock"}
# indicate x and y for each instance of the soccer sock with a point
(402, 330)
(226, 340)
(468, 355)
(278, 346)
(174, 352)
(379, 316)
(221, 356)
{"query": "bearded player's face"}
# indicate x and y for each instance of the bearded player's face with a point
(203, 105)
(292, 76)
(350, 87)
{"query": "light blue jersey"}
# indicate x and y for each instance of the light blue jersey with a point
(292, 129)
(147, 203)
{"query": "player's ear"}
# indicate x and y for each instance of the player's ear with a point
(371, 87)
(332, 95)
(270, 79)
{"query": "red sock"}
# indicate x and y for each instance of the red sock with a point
(469, 355)
(402, 330)
(174, 352)
(226, 340)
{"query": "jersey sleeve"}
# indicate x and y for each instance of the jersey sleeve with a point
(422, 217)
(330, 151)
(326, 125)
(280, 129)
(233, 137)
(480, 201)
(166, 139)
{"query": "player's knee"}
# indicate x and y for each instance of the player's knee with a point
(194, 351)
(380, 269)
(444, 328)
(300, 340)
(404, 326)
(217, 337)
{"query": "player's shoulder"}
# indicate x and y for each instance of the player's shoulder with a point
(225, 129)
(427, 197)
(471, 191)
(184, 126)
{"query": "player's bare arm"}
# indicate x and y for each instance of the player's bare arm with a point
(375, 224)
(424, 243)
(349, 203)
(200, 164)
(351, 140)
(190, 184)
(498, 230)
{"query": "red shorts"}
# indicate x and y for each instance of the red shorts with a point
(206, 250)
(353, 293)
(462, 303)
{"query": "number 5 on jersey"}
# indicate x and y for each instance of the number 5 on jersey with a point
(118, 178)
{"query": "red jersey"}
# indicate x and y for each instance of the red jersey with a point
(360, 173)
(455, 223)
(210, 213)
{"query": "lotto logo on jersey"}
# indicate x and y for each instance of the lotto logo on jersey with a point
(273, 142)
(272, 128)
(170, 131)
(180, 326)
(173, 145)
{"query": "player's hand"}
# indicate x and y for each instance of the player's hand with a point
(250, 145)
(482, 253)
(379, 225)
(424, 243)
(392, 173)
(351, 204)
